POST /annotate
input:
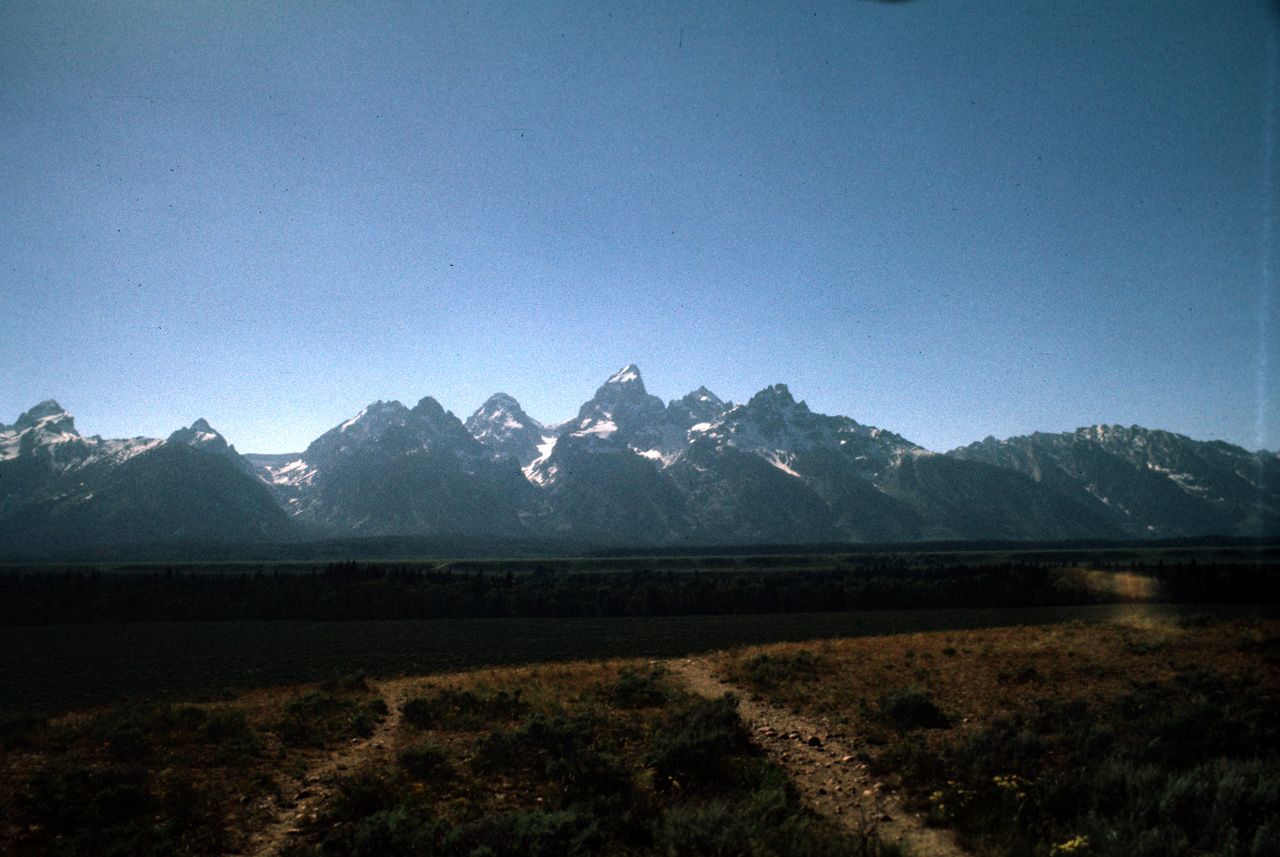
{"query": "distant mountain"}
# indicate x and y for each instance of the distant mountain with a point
(620, 417)
(61, 492)
(700, 406)
(393, 470)
(861, 483)
(701, 470)
(1147, 483)
(200, 435)
(626, 470)
(503, 426)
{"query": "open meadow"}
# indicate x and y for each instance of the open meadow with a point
(1145, 735)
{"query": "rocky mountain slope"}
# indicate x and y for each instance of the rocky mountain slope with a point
(1148, 483)
(63, 492)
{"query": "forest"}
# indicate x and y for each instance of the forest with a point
(615, 587)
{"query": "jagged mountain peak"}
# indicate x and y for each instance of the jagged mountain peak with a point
(499, 401)
(775, 397)
(700, 406)
(200, 434)
(47, 408)
(503, 426)
(427, 426)
(375, 412)
(204, 437)
(429, 409)
(1150, 482)
(629, 374)
(700, 397)
(50, 416)
(500, 408)
(624, 389)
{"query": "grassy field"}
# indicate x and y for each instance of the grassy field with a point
(1149, 735)
(586, 758)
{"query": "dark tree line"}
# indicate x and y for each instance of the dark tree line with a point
(347, 591)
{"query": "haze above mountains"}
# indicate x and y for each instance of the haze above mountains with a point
(628, 470)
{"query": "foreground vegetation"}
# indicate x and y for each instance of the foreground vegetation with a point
(166, 779)
(1135, 738)
(578, 759)
(1110, 740)
(1141, 729)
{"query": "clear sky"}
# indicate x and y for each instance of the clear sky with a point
(946, 218)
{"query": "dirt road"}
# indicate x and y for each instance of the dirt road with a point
(822, 764)
(819, 761)
(300, 807)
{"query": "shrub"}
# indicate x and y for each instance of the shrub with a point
(364, 793)
(78, 810)
(538, 740)
(560, 833)
(767, 822)
(424, 761)
(350, 683)
(635, 690)
(399, 832)
(495, 750)
(462, 709)
(912, 708)
(319, 717)
(231, 733)
(766, 671)
(589, 775)
(694, 742)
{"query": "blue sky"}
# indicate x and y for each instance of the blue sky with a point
(947, 219)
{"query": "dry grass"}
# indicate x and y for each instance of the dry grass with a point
(976, 676)
(1143, 737)
(247, 772)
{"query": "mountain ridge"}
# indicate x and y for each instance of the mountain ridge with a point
(631, 470)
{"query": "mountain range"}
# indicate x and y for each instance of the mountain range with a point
(628, 470)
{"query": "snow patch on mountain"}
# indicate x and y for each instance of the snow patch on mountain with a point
(538, 471)
(779, 461)
(363, 412)
(603, 427)
(625, 375)
(48, 432)
(292, 474)
(502, 426)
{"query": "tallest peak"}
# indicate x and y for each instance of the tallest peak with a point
(624, 388)
(626, 375)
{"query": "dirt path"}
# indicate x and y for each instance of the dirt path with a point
(819, 760)
(822, 764)
(304, 797)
